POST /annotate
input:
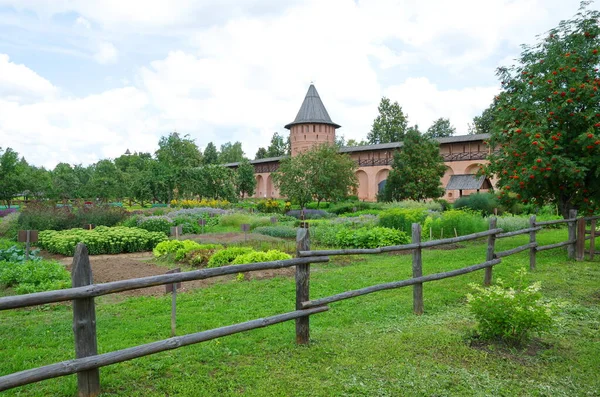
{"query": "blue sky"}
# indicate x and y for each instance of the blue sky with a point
(83, 80)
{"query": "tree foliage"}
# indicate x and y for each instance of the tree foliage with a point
(211, 155)
(231, 153)
(390, 125)
(416, 170)
(546, 128)
(261, 153)
(441, 128)
(11, 173)
(482, 124)
(317, 174)
(245, 182)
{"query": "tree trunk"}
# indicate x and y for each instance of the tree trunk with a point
(564, 206)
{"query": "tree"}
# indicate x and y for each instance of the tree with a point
(354, 142)
(416, 170)
(64, 182)
(106, 182)
(211, 155)
(441, 128)
(231, 153)
(11, 173)
(178, 152)
(261, 153)
(390, 125)
(482, 124)
(216, 181)
(546, 129)
(36, 182)
(320, 174)
(245, 181)
(278, 147)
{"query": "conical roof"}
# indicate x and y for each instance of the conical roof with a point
(312, 110)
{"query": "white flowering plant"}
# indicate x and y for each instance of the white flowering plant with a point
(510, 314)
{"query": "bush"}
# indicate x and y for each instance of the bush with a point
(370, 237)
(160, 224)
(277, 231)
(101, 240)
(30, 276)
(510, 314)
(482, 202)
(200, 203)
(412, 204)
(402, 219)
(512, 223)
(45, 216)
(269, 205)
(7, 211)
(257, 256)
(9, 226)
(445, 224)
(180, 248)
(349, 206)
(308, 214)
(227, 256)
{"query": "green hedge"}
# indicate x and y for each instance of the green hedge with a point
(402, 218)
(102, 240)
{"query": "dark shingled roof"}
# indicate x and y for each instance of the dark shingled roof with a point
(468, 182)
(396, 145)
(312, 110)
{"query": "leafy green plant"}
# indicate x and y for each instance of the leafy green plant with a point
(401, 218)
(453, 222)
(180, 248)
(510, 314)
(227, 256)
(34, 276)
(9, 226)
(482, 202)
(17, 254)
(370, 237)
(101, 240)
(258, 256)
(512, 223)
(161, 224)
(277, 231)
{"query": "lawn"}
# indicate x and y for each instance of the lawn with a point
(368, 346)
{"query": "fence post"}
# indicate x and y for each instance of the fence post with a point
(84, 323)
(487, 278)
(580, 246)
(592, 238)
(572, 234)
(532, 250)
(302, 287)
(417, 270)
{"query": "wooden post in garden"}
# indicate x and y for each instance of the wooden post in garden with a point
(84, 323)
(417, 270)
(532, 250)
(580, 245)
(487, 278)
(302, 287)
(572, 234)
(592, 238)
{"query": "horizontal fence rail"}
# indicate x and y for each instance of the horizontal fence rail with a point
(87, 360)
(397, 284)
(94, 290)
(83, 364)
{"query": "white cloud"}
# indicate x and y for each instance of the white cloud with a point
(20, 84)
(107, 53)
(81, 21)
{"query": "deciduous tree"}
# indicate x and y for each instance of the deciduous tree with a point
(546, 128)
(231, 153)
(211, 155)
(245, 182)
(390, 125)
(441, 128)
(416, 170)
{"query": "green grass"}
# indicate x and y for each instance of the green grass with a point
(367, 346)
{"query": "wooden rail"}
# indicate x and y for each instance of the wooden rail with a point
(82, 294)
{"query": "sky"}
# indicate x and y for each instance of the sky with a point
(85, 80)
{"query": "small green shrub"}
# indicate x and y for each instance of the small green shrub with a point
(402, 219)
(350, 206)
(277, 231)
(28, 277)
(482, 202)
(9, 226)
(180, 248)
(257, 256)
(101, 240)
(161, 224)
(512, 223)
(47, 216)
(412, 205)
(370, 237)
(227, 256)
(510, 314)
(453, 222)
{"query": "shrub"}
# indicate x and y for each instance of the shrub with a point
(445, 224)
(512, 223)
(402, 219)
(7, 211)
(349, 206)
(482, 202)
(412, 204)
(200, 203)
(356, 221)
(308, 214)
(47, 216)
(370, 237)
(161, 224)
(510, 314)
(257, 256)
(269, 205)
(30, 276)
(227, 256)
(179, 248)
(9, 226)
(277, 231)
(101, 240)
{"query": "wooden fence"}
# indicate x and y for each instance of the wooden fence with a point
(88, 361)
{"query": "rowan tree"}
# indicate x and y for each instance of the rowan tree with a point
(546, 128)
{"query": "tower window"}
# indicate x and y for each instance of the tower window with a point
(314, 128)
(305, 135)
(317, 137)
(306, 129)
